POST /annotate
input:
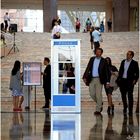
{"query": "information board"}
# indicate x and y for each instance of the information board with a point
(32, 73)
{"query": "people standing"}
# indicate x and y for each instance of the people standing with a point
(96, 38)
(109, 25)
(77, 25)
(56, 31)
(91, 38)
(47, 82)
(127, 78)
(113, 74)
(58, 20)
(27, 96)
(102, 27)
(88, 24)
(16, 86)
(97, 72)
(6, 20)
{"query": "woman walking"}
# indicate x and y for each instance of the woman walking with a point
(113, 86)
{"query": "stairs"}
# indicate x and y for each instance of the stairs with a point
(35, 46)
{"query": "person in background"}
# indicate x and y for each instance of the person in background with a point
(113, 74)
(96, 38)
(56, 31)
(71, 82)
(127, 78)
(16, 86)
(58, 20)
(109, 25)
(47, 82)
(77, 25)
(91, 37)
(6, 20)
(88, 24)
(27, 96)
(102, 27)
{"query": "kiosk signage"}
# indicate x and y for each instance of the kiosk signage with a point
(65, 75)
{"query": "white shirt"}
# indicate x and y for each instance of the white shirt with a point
(96, 35)
(126, 66)
(6, 18)
(56, 28)
(96, 63)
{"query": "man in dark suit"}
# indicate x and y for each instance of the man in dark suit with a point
(97, 74)
(47, 82)
(128, 76)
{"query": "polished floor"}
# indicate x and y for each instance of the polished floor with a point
(42, 125)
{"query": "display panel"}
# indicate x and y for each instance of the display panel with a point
(32, 73)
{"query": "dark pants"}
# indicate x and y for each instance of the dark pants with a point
(56, 37)
(6, 24)
(96, 45)
(47, 94)
(126, 89)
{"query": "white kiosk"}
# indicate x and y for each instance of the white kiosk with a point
(65, 76)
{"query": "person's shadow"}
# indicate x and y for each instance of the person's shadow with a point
(96, 132)
(47, 125)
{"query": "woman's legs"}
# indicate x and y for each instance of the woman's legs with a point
(110, 104)
(21, 101)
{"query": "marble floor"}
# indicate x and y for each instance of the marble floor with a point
(42, 125)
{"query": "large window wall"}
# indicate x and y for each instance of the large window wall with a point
(32, 20)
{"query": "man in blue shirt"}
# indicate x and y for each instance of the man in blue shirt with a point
(98, 73)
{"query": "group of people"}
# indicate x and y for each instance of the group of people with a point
(89, 25)
(19, 92)
(100, 72)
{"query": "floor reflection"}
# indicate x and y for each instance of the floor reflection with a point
(85, 126)
(65, 127)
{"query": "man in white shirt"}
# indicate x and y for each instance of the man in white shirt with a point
(96, 38)
(56, 31)
(6, 19)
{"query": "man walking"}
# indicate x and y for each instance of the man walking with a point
(47, 82)
(96, 38)
(98, 73)
(128, 76)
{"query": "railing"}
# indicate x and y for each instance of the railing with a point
(8, 44)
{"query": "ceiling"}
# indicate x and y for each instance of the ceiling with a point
(80, 5)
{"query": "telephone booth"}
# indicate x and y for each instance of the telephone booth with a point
(65, 75)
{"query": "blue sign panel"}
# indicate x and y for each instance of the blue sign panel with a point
(64, 100)
(65, 43)
(64, 125)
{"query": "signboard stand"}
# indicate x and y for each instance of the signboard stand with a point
(35, 98)
(32, 76)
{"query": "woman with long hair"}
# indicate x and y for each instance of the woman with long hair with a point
(16, 86)
(113, 85)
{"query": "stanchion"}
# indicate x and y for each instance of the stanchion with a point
(35, 98)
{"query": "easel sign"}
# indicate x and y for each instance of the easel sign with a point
(32, 74)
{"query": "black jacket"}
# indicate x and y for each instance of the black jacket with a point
(47, 78)
(132, 73)
(103, 70)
